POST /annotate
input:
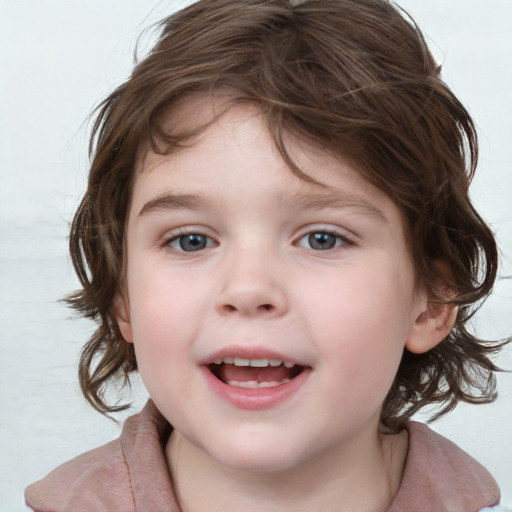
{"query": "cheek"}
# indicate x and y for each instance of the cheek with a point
(161, 300)
(361, 322)
(159, 319)
(168, 308)
(360, 302)
(161, 348)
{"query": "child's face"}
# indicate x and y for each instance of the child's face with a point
(231, 255)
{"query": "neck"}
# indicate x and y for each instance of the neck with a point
(361, 475)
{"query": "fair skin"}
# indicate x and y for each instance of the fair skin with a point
(230, 255)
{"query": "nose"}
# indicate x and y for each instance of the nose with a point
(252, 286)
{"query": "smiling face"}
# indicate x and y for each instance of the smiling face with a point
(268, 313)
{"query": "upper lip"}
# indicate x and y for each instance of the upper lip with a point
(249, 353)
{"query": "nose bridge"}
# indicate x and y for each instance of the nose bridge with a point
(251, 283)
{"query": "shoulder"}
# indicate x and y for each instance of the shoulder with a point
(96, 480)
(442, 477)
(124, 475)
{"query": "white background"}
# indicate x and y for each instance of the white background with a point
(59, 58)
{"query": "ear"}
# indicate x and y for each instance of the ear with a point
(432, 324)
(123, 318)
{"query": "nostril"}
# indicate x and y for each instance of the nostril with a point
(263, 308)
(247, 307)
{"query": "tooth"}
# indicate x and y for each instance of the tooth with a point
(259, 363)
(275, 362)
(271, 384)
(251, 384)
(288, 364)
(241, 362)
(228, 360)
(218, 361)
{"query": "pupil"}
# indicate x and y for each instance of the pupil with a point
(322, 241)
(191, 243)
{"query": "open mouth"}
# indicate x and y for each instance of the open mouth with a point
(254, 373)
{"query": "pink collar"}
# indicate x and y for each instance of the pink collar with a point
(438, 476)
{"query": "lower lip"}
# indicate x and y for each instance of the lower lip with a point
(255, 399)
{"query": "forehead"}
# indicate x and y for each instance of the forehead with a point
(232, 142)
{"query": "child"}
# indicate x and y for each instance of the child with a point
(277, 236)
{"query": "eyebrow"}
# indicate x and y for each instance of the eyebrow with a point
(332, 200)
(166, 202)
(169, 202)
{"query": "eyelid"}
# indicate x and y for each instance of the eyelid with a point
(347, 240)
(326, 228)
(175, 234)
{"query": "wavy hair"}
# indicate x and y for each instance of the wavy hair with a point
(354, 77)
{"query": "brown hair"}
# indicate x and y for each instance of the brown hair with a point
(352, 76)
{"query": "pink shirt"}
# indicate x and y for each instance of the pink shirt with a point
(130, 474)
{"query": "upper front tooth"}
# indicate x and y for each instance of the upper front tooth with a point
(260, 363)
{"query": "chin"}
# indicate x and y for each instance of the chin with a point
(257, 457)
(256, 463)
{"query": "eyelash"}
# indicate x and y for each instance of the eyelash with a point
(182, 234)
(341, 240)
(177, 238)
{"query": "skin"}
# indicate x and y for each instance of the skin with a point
(345, 312)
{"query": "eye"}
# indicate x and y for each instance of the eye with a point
(322, 241)
(191, 242)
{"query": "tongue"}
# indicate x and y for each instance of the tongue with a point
(230, 372)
